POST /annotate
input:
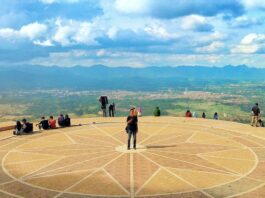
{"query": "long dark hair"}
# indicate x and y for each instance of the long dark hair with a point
(18, 125)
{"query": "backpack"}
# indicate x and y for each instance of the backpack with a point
(29, 128)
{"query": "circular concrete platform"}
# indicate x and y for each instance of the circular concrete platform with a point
(175, 157)
(124, 149)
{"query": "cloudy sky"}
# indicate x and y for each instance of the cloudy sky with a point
(135, 33)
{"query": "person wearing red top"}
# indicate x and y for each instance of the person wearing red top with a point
(52, 123)
(188, 114)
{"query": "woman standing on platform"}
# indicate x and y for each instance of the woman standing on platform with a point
(132, 128)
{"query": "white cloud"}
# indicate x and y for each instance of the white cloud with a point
(253, 38)
(70, 32)
(30, 31)
(63, 32)
(101, 52)
(9, 33)
(33, 30)
(122, 58)
(213, 47)
(58, 1)
(159, 32)
(215, 36)
(196, 22)
(251, 43)
(252, 4)
(46, 43)
(84, 32)
(246, 22)
(112, 32)
(245, 49)
(168, 9)
(116, 58)
(213, 59)
(131, 7)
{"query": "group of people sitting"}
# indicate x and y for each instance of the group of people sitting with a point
(23, 127)
(63, 121)
(27, 127)
(188, 114)
(47, 124)
(195, 115)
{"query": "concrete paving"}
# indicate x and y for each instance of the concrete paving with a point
(175, 157)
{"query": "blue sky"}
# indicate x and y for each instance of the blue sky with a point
(134, 33)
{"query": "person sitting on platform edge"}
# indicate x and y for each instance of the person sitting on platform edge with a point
(18, 129)
(52, 123)
(188, 114)
(67, 121)
(26, 126)
(195, 114)
(132, 128)
(61, 120)
(215, 116)
(43, 124)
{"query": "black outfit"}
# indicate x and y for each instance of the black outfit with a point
(104, 101)
(132, 130)
(28, 128)
(157, 112)
(111, 110)
(67, 122)
(44, 124)
(18, 126)
(256, 110)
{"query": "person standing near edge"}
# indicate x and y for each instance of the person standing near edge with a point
(104, 102)
(132, 128)
(255, 115)
(111, 110)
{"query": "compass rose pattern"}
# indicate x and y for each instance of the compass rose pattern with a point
(175, 158)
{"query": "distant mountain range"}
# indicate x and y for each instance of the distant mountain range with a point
(101, 77)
